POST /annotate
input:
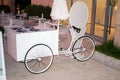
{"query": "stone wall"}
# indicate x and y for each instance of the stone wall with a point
(117, 27)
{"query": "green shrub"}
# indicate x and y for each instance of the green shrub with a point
(30, 9)
(40, 9)
(47, 11)
(5, 8)
(109, 49)
(37, 10)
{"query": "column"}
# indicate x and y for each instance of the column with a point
(117, 27)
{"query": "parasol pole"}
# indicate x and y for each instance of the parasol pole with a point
(58, 26)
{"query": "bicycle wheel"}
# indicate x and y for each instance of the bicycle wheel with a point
(38, 58)
(83, 48)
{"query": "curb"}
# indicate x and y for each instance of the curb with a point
(107, 60)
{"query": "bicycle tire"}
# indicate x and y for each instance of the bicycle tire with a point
(83, 48)
(38, 58)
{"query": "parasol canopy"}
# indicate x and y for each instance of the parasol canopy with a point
(59, 10)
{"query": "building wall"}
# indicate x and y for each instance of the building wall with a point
(42, 2)
(5, 2)
(48, 2)
(117, 27)
(12, 7)
(0, 2)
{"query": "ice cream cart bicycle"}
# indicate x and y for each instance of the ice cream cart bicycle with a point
(39, 57)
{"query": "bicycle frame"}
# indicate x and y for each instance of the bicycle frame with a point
(74, 35)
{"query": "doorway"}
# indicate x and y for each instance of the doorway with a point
(102, 16)
(21, 4)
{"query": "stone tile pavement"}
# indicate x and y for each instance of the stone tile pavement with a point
(63, 68)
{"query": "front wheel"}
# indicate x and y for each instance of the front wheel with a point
(83, 48)
(38, 58)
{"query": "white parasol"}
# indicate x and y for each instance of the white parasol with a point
(59, 10)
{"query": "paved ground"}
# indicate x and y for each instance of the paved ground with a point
(63, 68)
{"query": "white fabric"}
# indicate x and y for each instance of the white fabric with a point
(59, 10)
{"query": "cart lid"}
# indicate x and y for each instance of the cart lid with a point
(78, 14)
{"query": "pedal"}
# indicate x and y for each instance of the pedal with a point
(67, 54)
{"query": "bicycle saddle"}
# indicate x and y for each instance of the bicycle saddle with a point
(76, 29)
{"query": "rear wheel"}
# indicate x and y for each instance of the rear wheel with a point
(38, 58)
(83, 48)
